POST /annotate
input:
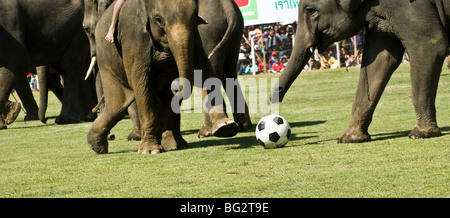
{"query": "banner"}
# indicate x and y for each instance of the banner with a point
(268, 11)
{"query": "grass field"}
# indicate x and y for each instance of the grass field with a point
(38, 160)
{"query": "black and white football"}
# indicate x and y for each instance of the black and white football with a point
(273, 131)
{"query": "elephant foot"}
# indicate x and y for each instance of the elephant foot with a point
(170, 142)
(419, 133)
(2, 124)
(66, 120)
(90, 117)
(135, 135)
(98, 141)
(204, 132)
(31, 117)
(244, 127)
(244, 122)
(225, 128)
(12, 110)
(354, 135)
(147, 148)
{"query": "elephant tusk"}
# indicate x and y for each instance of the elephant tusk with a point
(311, 49)
(91, 67)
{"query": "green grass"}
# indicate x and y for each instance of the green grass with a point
(38, 160)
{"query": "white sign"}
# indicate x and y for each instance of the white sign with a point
(268, 11)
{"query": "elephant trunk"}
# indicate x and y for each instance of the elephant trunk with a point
(181, 41)
(300, 56)
(43, 93)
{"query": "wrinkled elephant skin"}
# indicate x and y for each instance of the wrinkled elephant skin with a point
(221, 39)
(32, 38)
(152, 49)
(391, 27)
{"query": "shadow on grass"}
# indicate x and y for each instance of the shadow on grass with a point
(30, 126)
(245, 141)
(401, 134)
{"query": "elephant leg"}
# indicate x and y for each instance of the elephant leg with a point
(206, 130)
(54, 84)
(73, 65)
(216, 121)
(382, 56)
(426, 66)
(87, 100)
(117, 100)
(26, 96)
(69, 110)
(171, 133)
(42, 73)
(149, 118)
(135, 134)
(238, 104)
(8, 110)
(14, 63)
(147, 107)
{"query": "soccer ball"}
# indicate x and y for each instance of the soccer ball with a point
(273, 131)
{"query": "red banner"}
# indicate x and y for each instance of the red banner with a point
(242, 3)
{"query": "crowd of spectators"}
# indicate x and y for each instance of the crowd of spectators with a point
(273, 44)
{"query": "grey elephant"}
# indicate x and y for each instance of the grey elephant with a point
(419, 26)
(32, 38)
(93, 10)
(47, 81)
(220, 39)
(157, 42)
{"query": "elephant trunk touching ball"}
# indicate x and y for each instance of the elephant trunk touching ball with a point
(420, 27)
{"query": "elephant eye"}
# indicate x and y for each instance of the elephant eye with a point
(311, 11)
(159, 21)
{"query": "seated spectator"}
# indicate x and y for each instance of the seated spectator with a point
(284, 61)
(277, 66)
(271, 59)
(284, 47)
(249, 69)
(261, 66)
(324, 62)
(313, 64)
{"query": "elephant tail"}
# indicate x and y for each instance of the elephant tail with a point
(234, 18)
(100, 102)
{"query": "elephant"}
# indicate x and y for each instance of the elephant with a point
(93, 10)
(47, 81)
(221, 39)
(157, 42)
(31, 38)
(421, 28)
